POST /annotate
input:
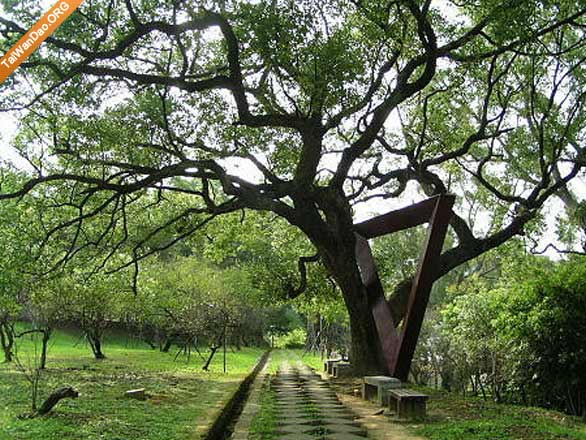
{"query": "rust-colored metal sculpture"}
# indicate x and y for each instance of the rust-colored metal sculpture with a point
(398, 346)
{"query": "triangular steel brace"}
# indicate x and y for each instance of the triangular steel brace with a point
(399, 346)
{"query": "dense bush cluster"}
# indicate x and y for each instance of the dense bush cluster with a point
(519, 341)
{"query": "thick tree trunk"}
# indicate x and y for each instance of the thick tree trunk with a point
(150, 336)
(335, 240)
(365, 352)
(98, 353)
(94, 338)
(166, 345)
(45, 345)
(7, 340)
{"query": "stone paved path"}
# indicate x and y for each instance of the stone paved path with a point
(308, 409)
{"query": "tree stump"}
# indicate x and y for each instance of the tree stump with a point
(138, 394)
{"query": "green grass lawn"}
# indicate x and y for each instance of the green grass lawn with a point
(453, 417)
(184, 399)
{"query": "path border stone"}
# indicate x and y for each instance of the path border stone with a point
(231, 409)
(378, 387)
(252, 405)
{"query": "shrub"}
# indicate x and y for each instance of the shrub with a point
(547, 314)
(293, 339)
(522, 341)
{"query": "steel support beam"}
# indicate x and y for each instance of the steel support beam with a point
(399, 346)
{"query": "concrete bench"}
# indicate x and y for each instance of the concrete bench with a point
(408, 404)
(329, 365)
(342, 369)
(376, 387)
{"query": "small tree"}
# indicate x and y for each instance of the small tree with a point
(29, 360)
(17, 241)
(197, 302)
(45, 306)
(92, 302)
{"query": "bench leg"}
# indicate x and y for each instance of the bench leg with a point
(383, 396)
(411, 409)
(394, 405)
(380, 396)
(420, 409)
(368, 391)
(408, 409)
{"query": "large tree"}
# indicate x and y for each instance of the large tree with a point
(329, 103)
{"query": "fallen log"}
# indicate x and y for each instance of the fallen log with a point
(55, 398)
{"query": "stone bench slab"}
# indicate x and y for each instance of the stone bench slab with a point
(342, 369)
(329, 365)
(376, 387)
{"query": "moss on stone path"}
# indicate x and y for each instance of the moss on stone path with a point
(299, 405)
